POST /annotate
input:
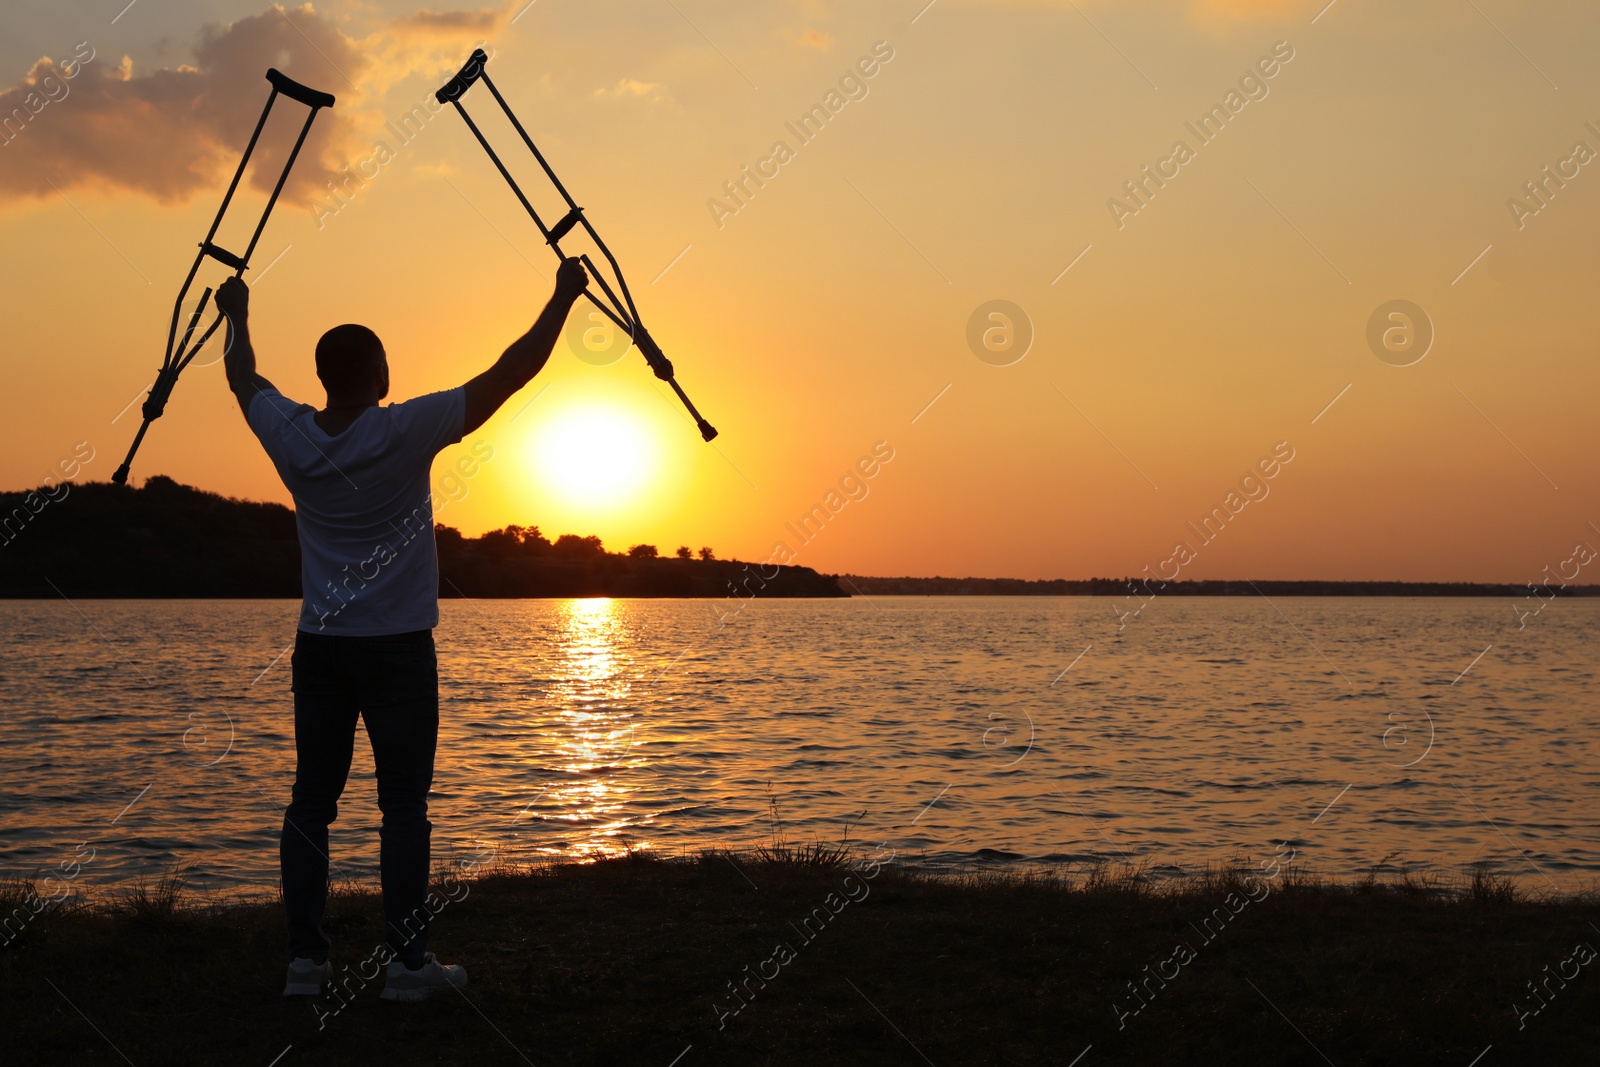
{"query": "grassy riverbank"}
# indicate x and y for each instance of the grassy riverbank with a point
(629, 962)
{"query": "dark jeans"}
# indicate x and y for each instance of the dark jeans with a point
(392, 683)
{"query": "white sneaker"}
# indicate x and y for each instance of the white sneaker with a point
(306, 977)
(402, 983)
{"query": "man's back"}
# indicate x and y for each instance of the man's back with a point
(363, 508)
(364, 652)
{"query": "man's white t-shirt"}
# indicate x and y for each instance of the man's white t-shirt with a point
(363, 508)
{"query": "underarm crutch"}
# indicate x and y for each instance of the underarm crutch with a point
(179, 352)
(620, 311)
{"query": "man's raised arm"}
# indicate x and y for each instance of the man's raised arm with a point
(233, 300)
(529, 353)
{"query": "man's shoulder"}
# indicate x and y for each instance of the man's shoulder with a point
(434, 417)
(269, 409)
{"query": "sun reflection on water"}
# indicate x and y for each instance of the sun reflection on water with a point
(591, 732)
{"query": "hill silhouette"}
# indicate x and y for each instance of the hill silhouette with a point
(169, 540)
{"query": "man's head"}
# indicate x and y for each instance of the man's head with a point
(352, 365)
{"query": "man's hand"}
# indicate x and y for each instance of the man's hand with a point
(239, 359)
(571, 279)
(233, 299)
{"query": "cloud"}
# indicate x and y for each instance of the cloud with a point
(1203, 11)
(432, 22)
(1250, 10)
(172, 134)
(632, 88)
(431, 42)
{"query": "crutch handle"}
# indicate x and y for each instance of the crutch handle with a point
(295, 91)
(223, 256)
(464, 78)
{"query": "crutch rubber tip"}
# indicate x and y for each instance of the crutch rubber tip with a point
(707, 431)
(121, 475)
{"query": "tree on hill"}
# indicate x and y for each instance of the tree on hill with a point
(573, 545)
(164, 539)
(515, 539)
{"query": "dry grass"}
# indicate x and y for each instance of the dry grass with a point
(630, 960)
(157, 902)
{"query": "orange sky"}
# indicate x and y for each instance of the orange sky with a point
(1218, 319)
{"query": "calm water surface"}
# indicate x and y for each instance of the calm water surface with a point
(957, 730)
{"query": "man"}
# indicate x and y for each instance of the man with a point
(369, 573)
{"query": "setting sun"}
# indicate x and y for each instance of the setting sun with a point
(594, 457)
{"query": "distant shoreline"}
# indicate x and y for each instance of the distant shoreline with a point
(854, 584)
(167, 541)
